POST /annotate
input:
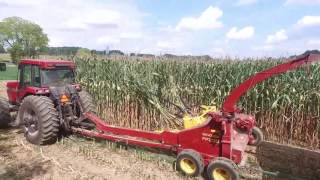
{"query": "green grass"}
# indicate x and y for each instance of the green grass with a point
(9, 74)
(5, 57)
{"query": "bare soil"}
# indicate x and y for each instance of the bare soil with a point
(79, 158)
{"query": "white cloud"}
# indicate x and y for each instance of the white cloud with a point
(263, 48)
(168, 45)
(165, 44)
(18, 3)
(103, 16)
(209, 19)
(240, 34)
(54, 41)
(218, 52)
(108, 40)
(299, 2)
(309, 21)
(277, 37)
(314, 42)
(74, 24)
(245, 2)
(131, 35)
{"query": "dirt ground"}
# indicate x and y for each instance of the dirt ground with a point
(79, 158)
(2, 89)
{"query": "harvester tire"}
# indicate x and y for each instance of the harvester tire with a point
(86, 102)
(40, 120)
(258, 137)
(229, 161)
(190, 163)
(5, 117)
(222, 168)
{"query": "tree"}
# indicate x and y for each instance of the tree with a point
(21, 38)
(115, 53)
(83, 53)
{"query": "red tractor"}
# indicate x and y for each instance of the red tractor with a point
(47, 100)
(49, 103)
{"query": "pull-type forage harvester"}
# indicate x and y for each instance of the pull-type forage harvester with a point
(49, 102)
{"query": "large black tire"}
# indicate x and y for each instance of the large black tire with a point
(86, 102)
(258, 137)
(190, 163)
(222, 169)
(5, 117)
(88, 106)
(40, 120)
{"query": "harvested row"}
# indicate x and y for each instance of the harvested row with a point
(141, 93)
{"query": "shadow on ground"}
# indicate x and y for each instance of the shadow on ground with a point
(23, 171)
(10, 165)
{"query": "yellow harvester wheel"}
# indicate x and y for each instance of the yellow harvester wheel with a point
(190, 163)
(222, 169)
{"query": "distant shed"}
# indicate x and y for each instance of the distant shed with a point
(3, 66)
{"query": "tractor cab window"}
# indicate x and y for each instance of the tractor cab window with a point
(36, 76)
(26, 75)
(57, 77)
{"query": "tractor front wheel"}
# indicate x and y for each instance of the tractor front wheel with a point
(39, 119)
(222, 169)
(5, 117)
(257, 137)
(190, 163)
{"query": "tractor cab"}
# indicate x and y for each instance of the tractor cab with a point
(36, 76)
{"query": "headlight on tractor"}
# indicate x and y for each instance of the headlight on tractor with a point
(64, 99)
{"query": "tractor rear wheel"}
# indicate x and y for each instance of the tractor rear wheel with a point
(87, 106)
(190, 163)
(222, 169)
(86, 102)
(5, 117)
(257, 137)
(40, 120)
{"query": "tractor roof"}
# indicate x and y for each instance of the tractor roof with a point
(48, 63)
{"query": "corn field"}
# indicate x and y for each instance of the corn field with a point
(140, 93)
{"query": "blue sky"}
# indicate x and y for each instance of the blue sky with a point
(242, 28)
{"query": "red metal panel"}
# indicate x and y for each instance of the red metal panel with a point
(23, 92)
(203, 138)
(12, 91)
(123, 139)
(170, 138)
(227, 139)
(101, 125)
